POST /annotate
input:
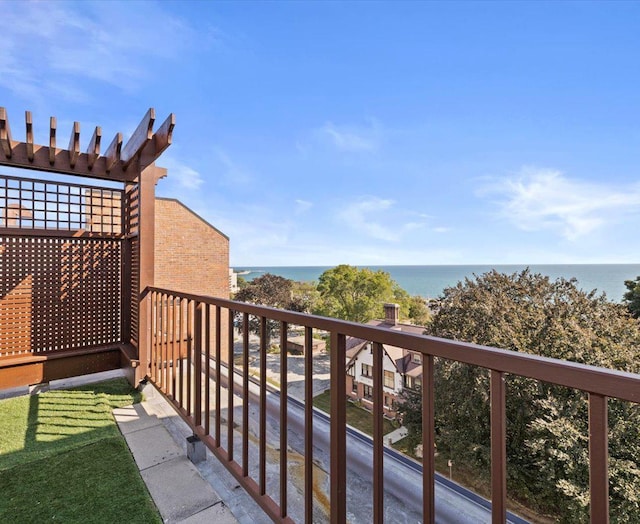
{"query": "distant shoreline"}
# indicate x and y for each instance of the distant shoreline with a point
(429, 281)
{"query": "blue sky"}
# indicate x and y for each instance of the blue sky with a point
(362, 133)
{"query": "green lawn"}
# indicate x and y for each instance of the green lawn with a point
(63, 458)
(357, 417)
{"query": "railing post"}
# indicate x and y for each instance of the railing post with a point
(197, 350)
(498, 449)
(378, 444)
(338, 432)
(598, 459)
(147, 180)
(428, 440)
(308, 424)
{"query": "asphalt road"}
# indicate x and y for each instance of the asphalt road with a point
(402, 476)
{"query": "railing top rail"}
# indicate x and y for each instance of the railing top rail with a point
(591, 379)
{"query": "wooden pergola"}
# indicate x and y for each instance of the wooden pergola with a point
(76, 258)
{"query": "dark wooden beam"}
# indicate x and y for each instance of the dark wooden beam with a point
(74, 144)
(162, 137)
(93, 151)
(141, 136)
(29, 124)
(52, 140)
(161, 141)
(41, 162)
(112, 155)
(5, 133)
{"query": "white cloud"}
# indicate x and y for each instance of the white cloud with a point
(352, 139)
(181, 174)
(376, 218)
(544, 199)
(358, 215)
(47, 45)
(302, 206)
(232, 173)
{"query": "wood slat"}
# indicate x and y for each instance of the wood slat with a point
(113, 152)
(52, 140)
(428, 440)
(93, 151)
(598, 459)
(498, 449)
(74, 144)
(29, 133)
(5, 133)
(141, 136)
(162, 137)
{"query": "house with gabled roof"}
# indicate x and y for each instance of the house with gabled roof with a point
(402, 368)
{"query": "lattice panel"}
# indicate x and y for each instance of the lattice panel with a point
(135, 287)
(42, 205)
(132, 206)
(58, 294)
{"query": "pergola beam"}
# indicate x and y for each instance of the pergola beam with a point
(141, 150)
(112, 155)
(52, 140)
(161, 140)
(141, 136)
(162, 137)
(93, 151)
(74, 144)
(29, 125)
(5, 133)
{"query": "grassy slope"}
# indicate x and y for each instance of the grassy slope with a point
(357, 417)
(63, 458)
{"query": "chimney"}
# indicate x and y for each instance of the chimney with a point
(391, 314)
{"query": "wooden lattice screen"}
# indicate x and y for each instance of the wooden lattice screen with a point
(132, 231)
(61, 272)
(75, 259)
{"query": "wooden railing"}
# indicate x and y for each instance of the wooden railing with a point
(192, 360)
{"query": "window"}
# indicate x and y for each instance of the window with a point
(389, 379)
(367, 370)
(412, 383)
(417, 358)
(368, 391)
(354, 386)
(351, 371)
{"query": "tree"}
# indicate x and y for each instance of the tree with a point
(419, 313)
(547, 425)
(305, 296)
(268, 290)
(350, 293)
(632, 297)
(410, 409)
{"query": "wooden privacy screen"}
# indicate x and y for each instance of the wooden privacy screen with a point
(58, 294)
(61, 260)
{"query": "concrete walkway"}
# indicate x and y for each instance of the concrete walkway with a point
(175, 484)
(396, 435)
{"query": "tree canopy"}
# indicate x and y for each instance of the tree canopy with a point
(632, 296)
(547, 425)
(355, 294)
(268, 290)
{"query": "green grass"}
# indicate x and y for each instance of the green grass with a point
(63, 458)
(358, 418)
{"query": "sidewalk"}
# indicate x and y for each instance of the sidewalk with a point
(222, 491)
(175, 484)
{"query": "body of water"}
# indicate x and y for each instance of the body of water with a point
(429, 281)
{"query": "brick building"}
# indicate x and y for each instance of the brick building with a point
(191, 254)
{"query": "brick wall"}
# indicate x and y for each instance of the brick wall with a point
(191, 255)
